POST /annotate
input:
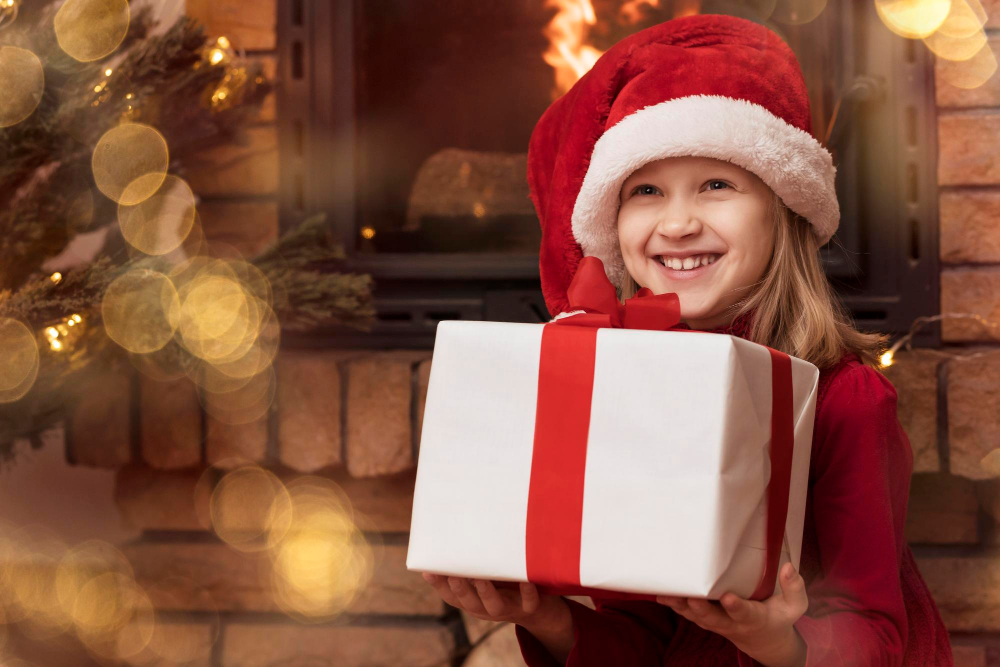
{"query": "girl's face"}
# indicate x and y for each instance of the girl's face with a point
(698, 227)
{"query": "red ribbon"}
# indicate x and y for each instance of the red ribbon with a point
(562, 422)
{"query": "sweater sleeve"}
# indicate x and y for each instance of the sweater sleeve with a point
(859, 485)
(617, 632)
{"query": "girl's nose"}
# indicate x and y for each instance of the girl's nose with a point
(679, 225)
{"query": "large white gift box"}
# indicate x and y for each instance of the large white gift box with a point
(646, 455)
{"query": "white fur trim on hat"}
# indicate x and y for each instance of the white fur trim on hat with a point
(789, 160)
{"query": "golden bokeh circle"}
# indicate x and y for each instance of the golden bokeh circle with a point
(913, 19)
(22, 80)
(130, 163)
(19, 359)
(91, 29)
(247, 508)
(140, 310)
(161, 222)
(797, 12)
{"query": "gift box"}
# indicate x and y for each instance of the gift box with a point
(611, 455)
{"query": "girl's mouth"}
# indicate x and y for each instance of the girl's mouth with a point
(705, 264)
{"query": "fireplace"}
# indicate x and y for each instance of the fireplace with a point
(407, 123)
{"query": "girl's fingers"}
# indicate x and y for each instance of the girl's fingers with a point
(793, 599)
(440, 584)
(530, 600)
(493, 603)
(466, 594)
(707, 615)
(745, 612)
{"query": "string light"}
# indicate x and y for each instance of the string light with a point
(8, 12)
(56, 278)
(61, 335)
(888, 358)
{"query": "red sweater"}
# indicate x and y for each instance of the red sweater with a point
(868, 604)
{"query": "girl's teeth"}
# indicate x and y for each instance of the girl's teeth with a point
(687, 263)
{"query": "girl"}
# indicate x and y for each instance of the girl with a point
(684, 160)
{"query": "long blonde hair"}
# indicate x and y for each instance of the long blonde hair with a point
(796, 309)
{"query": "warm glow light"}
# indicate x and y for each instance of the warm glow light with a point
(914, 19)
(107, 72)
(368, 232)
(568, 53)
(18, 360)
(130, 162)
(23, 81)
(886, 359)
(56, 277)
(91, 29)
(216, 56)
(223, 41)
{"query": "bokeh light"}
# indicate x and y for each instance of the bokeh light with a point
(18, 359)
(324, 562)
(141, 310)
(161, 222)
(914, 19)
(250, 508)
(797, 12)
(22, 80)
(90, 29)
(130, 163)
(971, 73)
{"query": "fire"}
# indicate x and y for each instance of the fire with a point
(570, 52)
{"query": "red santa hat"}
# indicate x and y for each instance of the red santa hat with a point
(706, 85)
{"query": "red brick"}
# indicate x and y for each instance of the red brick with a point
(914, 375)
(969, 655)
(948, 72)
(211, 575)
(249, 644)
(973, 406)
(163, 500)
(967, 147)
(970, 291)
(229, 445)
(966, 590)
(99, 426)
(969, 231)
(943, 509)
(309, 410)
(379, 428)
(170, 423)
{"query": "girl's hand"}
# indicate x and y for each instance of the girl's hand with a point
(762, 630)
(481, 599)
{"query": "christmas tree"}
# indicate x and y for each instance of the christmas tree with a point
(99, 117)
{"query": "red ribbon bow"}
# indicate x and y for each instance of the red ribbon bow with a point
(592, 292)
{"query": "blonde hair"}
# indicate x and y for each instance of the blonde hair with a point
(796, 309)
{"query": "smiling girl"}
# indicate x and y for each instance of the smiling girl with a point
(684, 160)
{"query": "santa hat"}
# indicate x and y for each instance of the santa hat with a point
(706, 85)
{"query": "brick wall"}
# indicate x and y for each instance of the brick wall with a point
(355, 417)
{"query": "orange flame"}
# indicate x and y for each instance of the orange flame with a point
(570, 54)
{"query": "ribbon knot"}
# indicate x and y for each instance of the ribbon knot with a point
(592, 292)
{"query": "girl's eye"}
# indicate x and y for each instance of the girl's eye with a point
(640, 189)
(711, 183)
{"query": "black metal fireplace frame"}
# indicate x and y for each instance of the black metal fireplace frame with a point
(884, 260)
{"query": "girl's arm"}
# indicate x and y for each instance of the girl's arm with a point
(617, 632)
(859, 486)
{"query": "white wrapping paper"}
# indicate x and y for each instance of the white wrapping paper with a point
(677, 459)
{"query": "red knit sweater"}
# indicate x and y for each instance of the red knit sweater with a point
(868, 604)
